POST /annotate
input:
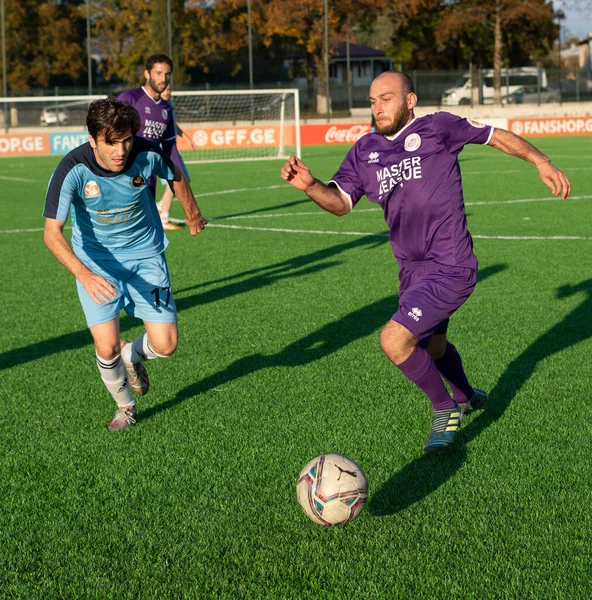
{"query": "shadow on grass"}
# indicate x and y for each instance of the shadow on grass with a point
(240, 283)
(325, 341)
(424, 475)
(259, 211)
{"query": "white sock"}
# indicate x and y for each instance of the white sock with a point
(164, 217)
(114, 377)
(139, 351)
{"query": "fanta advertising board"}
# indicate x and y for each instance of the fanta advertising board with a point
(550, 126)
(31, 144)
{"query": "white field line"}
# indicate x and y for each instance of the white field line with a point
(365, 210)
(384, 234)
(238, 190)
(350, 233)
(358, 233)
(21, 179)
(284, 186)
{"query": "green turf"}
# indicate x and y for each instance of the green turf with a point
(279, 362)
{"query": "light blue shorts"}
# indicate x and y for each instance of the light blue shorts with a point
(143, 290)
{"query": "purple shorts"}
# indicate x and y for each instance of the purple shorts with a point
(429, 294)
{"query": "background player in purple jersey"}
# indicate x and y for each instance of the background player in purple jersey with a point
(166, 201)
(409, 166)
(117, 248)
(156, 114)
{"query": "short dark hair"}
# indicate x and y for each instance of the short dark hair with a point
(112, 119)
(158, 58)
(407, 83)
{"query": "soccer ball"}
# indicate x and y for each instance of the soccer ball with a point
(332, 489)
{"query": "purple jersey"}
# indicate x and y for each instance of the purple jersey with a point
(415, 177)
(156, 116)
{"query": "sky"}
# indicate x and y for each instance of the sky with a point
(578, 21)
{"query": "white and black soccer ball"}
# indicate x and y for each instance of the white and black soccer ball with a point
(332, 489)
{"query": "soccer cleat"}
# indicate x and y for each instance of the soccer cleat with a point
(475, 402)
(137, 378)
(125, 416)
(171, 226)
(445, 424)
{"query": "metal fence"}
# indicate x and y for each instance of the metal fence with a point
(56, 108)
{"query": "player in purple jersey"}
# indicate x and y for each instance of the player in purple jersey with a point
(156, 114)
(117, 249)
(409, 166)
(164, 206)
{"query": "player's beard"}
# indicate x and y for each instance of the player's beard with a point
(400, 119)
(157, 87)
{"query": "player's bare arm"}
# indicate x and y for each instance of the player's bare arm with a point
(550, 175)
(98, 288)
(182, 189)
(329, 198)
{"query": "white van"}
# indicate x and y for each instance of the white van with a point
(512, 80)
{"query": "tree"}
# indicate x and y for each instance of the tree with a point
(529, 21)
(42, 40)
(123, 36)
(304, 23)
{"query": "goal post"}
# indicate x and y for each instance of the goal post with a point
(238, 125)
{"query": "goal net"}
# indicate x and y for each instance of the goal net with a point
(238, 125)
(29, 113)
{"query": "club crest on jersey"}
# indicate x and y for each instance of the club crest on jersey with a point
(476, 124)
(138, 180)
(412, 142)
(91, 190)
(165, 114)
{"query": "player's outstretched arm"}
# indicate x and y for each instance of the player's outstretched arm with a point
(193, 217)
(551, 176)
(298, 175)
(98, 288)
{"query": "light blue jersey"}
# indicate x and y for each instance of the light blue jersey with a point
(114, 216)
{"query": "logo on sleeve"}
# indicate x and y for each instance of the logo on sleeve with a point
(412, 142)
(91, 190)
(477, 124)
(373, 157)
(137, 181)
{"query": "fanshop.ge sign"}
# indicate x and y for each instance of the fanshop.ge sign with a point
(551, 126)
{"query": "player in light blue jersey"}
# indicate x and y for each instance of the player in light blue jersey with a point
(117, 248)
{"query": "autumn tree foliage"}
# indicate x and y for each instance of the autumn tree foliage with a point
(523, 25)
(47, 38)
(42, 39)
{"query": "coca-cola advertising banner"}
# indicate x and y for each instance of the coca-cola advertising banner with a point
(310, 135)
(333, 133)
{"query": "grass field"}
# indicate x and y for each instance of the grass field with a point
(280, 306)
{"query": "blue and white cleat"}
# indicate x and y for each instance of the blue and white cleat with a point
(475, 402)
(445, 424)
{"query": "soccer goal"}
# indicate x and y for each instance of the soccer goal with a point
(238, 125)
